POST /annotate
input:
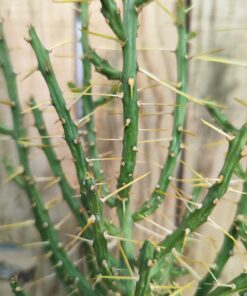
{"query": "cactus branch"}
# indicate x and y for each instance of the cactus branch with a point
(112, 15)
(227, 127)
(5, 130)
(89, 196)
(200, 215)
(11, 170)
(146, 262)
(141, 3)
(224, 253)
(234, 287)
(101, 65)
(88, 106)
(65, 269)
(178, 119)
(16, 288)
(55, 164)
(221, 119)
(130, 121)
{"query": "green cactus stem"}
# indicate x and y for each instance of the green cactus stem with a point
(11, 170)
(178, 119)
(146, 262)
(130, 122)
(200, 215)
(239, 226)
(55, 164)
(235, 287)
(16, 287)
(113, 18)
(101, 65)
(89, 196)
(5, 130)
(221, 119)
(65, 269)
(223, 122)
(141, 3)
(88, 108)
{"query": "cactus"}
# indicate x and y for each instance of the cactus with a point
(133, 273)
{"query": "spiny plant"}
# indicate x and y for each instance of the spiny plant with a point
(154, 270)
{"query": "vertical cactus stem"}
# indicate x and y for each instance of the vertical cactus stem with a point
(55, 164)
(42, 220)
(200, 216)
(237, 229)
(113, 18)
(66, 189)
(130, 122)
(88, 106)
(89, 198)
(146, 263)
(16, 287)
(178, 118)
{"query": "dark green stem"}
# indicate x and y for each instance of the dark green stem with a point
(235, 287)
(66, 271)
(146, 263)
(140, 3)
(11, 170)
(240, 222)
(130, 121)
(5, 130)
(112, 15)
(88, 107)
(178, 120)
(200, 215)
(89, 196)
(16, 287)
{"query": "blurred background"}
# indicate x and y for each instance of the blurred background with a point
(220, 28)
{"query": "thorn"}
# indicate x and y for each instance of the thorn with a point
(229, 137)
(123, 187)
(131, 83)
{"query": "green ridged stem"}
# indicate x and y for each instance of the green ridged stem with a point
(113, 18)
(200, 215)
(146, 262)
(10, 169)
(16, 287)
(88, 108)
(239, 226)
(169, 264)
(178, 120)
(89, 196)
(102, 100)
(221, 119)
(101, 65)
(130, 122)
(57, 170)
(239, 286)
(140, 3)
(223, 122)
(63, 266)
(55, 164)
(5, 130)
